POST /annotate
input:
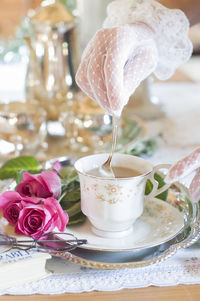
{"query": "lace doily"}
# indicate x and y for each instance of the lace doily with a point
(72, 278)
(170, 26)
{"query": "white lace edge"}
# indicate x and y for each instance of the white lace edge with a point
(171, 28)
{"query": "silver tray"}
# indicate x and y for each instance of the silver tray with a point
(178, 197)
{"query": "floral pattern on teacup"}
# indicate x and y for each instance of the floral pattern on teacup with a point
(113, 200)
(113, 194)
(113, 189)
(110, 193)
(92, 187)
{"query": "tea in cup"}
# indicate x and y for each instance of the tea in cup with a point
(112, 205)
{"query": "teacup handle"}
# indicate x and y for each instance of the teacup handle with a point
(155, 191)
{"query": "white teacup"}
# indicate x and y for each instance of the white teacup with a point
(112, 205)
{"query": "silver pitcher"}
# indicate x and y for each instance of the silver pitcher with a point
(53, 58)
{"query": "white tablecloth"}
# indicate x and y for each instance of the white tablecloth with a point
(180, 129)
(181, 124)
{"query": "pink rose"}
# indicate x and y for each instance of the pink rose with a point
(44, 185)
(10, 204)
(39, 218)
(57, 166)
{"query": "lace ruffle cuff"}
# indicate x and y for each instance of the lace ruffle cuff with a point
(169, 25)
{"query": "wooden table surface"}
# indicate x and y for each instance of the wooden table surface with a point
(176, 293)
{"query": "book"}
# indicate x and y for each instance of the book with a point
(18, 267)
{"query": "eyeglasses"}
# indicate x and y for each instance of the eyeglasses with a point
(49, 242)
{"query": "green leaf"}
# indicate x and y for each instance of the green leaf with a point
(12, 166)
(74, 185)
(149, 187)
(78, 218)
(19, 176)
(161, 183)
(144, 147)
(70, 196)
(68, 174)
(73, 210)
(130, 132)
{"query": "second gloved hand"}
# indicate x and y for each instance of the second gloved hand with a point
(184, 167)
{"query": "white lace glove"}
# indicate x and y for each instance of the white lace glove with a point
(114, 63)
(139, 37)
(169, 25)
(184, 167)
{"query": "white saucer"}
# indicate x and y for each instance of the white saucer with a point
(159, 223)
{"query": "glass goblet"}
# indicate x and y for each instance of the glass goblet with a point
(22, 128)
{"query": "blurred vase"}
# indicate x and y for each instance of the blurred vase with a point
(53, 60)
(88, 27)
(22, 128)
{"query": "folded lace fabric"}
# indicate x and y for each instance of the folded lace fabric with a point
(169, 25)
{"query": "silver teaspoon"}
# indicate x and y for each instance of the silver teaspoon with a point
(106, 169)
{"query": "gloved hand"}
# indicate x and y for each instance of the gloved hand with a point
(140, 37)
(184, 167)
(115, 62)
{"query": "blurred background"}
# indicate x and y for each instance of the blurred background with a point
(41, 43)
(13, 12)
